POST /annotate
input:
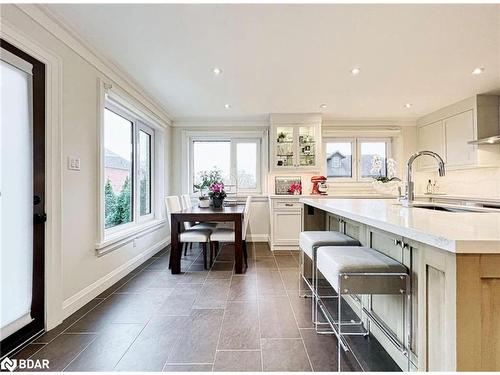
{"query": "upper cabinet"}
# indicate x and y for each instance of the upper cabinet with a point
(448, 132)
(295, 142)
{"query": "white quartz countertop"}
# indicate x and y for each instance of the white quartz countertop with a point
(457, 232)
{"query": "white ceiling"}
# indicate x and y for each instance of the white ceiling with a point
(292, 58)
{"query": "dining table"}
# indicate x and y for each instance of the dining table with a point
(230, 213)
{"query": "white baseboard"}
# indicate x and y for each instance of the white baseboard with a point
(76, 301)
(257, 237)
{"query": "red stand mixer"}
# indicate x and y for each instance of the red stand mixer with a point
(319, 186)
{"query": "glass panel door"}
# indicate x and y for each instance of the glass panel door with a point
(307, 146)
(22, 184)
(285, 150)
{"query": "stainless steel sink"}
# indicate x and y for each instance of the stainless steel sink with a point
(452, 207)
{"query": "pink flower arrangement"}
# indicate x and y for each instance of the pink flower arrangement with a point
(295, 188)
(217, 190)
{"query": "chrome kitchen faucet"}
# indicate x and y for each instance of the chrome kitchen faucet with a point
(410, 192)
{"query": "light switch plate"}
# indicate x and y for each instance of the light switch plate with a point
(73, 163)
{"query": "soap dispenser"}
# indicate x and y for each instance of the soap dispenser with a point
(429, 187)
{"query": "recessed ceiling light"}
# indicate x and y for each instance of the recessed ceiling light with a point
(407, 105)
(477, 71)
(227, 106)
(217, 71)
(322, 106)
(355, 71)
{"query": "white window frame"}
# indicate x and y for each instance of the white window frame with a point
(353, 162)
(234, 140)
(141, 126)
(356, 156)
(137, 125)
(115, 238)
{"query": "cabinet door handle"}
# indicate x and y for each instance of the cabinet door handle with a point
(397, 242)
(289, 204)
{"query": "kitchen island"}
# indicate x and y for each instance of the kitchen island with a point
(454, 260)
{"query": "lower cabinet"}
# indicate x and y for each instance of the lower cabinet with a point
(286, 224)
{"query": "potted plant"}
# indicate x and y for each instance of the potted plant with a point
(385, 184)
(205, 180)
(281, 137)
(217, 194)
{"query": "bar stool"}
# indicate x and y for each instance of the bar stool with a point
(362, 270)
(309, 242)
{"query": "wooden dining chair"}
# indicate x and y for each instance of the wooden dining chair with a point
(221, 234)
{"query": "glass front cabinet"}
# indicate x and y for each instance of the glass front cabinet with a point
(295, 146)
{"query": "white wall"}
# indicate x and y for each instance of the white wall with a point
(84, 275)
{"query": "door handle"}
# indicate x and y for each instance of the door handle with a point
(39, 218)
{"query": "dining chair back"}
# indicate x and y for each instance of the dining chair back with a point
(246, 216)
(186, 200)
(173, 204)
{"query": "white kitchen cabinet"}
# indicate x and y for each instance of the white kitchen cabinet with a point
(286, 223)
(449, 130)
(431, 137)
(459, 129)
(295, 143)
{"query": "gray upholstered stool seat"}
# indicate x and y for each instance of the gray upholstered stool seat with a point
(362, 270)
(311, 239)
(334, 261)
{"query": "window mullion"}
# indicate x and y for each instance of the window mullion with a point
(135, 196)
(233, 163)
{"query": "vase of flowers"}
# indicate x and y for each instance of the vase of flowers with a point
(217, 194)
(388, 184)
(295, 189)
(204, 181)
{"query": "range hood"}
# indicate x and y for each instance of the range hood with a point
(487, 108)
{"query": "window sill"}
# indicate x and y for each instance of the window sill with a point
(121, 238)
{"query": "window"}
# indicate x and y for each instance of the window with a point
(339, 159)
(356, 159)
(238, 161)
(128, 168)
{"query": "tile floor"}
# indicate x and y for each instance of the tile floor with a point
(201, 321)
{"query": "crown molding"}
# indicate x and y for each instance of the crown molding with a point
(198, 122)
(371, 122)
(62, 31)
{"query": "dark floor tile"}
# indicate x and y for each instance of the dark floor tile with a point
(240, 327)
(322, 350)
(284, 355)
(302, 309)
(286, 261)
(238, 361)
(213, 294)
(276, 318)
(198, 340)
(53, 333)
(160, 264)
(122, 308)
(150, 350)
(181, 300)
(221, 270)
(27, 351)
(149, 280)
(266, 263)
(188, 368)
(269, 283)
(63, 349)
(107, 349)
(259, 249)
(291, 279)
(226, 253)
(193, 276)
(243, 288)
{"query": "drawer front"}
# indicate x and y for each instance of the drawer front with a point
(287, 205)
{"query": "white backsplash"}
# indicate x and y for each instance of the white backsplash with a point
(476, 183)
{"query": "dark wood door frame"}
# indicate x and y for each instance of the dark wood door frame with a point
(29, 331)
